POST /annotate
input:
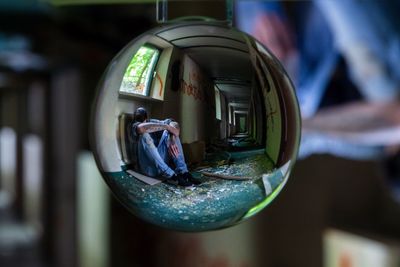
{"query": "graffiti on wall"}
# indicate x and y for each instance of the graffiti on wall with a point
(195, 86)
(190, 89)
(194, 82)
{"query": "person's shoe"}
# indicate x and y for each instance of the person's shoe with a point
(179, 179)
(191, 179)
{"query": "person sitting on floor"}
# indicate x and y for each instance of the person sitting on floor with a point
(158, 150)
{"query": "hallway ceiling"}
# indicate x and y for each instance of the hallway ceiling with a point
(220, 51)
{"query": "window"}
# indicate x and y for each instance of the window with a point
(139, 73)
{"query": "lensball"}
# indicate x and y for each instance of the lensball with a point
(237, 117)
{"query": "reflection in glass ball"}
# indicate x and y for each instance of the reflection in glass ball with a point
(238, 117)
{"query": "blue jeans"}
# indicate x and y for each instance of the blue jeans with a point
(316, 60)
(154, 158)
(367, 34)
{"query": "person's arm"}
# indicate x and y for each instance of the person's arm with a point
(150, 127)
(173, 147)
(166, 121)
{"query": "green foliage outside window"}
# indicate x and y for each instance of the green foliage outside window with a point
(138, 75)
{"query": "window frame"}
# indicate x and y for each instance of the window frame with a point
(149, 77)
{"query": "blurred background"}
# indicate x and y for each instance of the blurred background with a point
(340, 206)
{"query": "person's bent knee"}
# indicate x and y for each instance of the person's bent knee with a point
(147, 139)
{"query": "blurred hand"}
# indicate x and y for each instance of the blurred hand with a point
(173, 130)
(272, 31)
(173, 150)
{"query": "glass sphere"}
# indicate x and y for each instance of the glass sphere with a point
(217, 111)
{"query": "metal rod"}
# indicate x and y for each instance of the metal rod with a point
(162, 11)
(229, 12)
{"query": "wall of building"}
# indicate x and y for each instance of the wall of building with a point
(194, 108)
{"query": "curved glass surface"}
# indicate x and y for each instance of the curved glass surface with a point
(238, 121)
